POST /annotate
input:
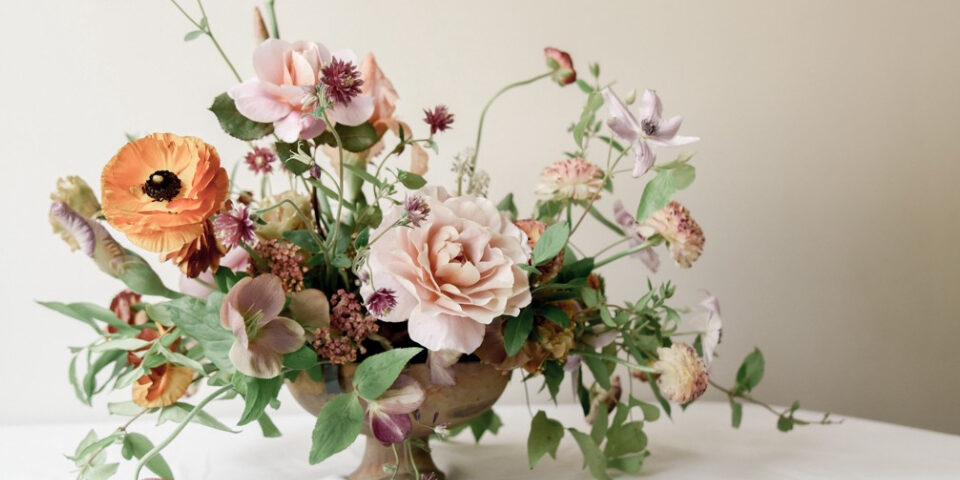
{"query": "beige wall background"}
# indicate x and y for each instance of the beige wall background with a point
(826, 175)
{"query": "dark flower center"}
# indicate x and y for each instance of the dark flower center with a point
(162, 186)
(342, 80)
(649, 128)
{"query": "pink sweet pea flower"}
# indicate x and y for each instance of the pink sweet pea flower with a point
(389, 415)
(287, 75)
(651, 129)
(251, 310)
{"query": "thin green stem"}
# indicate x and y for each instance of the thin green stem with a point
(483, 114)
(629, 251)
(611, 358)
(336, 219)
(193, 413)
(614, 244)
(749, 399)
(216, 44)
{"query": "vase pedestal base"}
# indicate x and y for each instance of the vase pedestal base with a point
(379, 463)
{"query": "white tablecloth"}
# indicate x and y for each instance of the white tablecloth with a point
(697, 444)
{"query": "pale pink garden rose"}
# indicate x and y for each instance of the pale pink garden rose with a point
(571, 179)
(251, 310)
(287, 74)
(683, 374)
(683, 235)
(452, 275)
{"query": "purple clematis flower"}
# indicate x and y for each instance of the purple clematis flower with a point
(629, 224)
(251, 310)
(650, 129)
(389, 415)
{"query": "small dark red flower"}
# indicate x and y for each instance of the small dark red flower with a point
(439, 119)
(342, 80)
(559, 60)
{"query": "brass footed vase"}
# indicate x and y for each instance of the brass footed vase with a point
(478, 387)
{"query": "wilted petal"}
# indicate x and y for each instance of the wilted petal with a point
(404, 396)
(644, 158)
(390, 429)
(311, 308)
(441, 367)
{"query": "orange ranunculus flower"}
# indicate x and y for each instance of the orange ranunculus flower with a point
(161, 189)
(199, 255)
(163, 386)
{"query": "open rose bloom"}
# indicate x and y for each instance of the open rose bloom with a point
(452, 275)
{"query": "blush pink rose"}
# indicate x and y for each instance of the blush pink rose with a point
(287, 74)
(452, 275)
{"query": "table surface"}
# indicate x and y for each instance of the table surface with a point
(698, 443)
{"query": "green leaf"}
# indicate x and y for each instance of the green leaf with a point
(355, 139)
(489, 421)
(592, 456)
(664, 404)
(785, 423)
(120, 344)
(126, 409)
(338, 425)
(630, 464)
(584, 86)
(303, 239)
(260, 392)
(751, 371)
(375, 374)
(599, 370)
(303, 359)
(659, 191)
(178, 412)
(544, 438)
(507, 205)
(598, 429)
(578, 269)
(199, 320)
(139, 445)
(361, 172)
(267, 426)
(100, 472)
(555, 314)
(624, 439)
(363, 239)
(553, 376)
(88, 313)
(517, 330)
(192, 36)
(594, 102)
(605, 221)
(411, 180)
(234, 123)
(551, 243)
(650, 411)
(736, 413)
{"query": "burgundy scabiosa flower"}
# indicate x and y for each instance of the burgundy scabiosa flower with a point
(560, 61)
(260, 160)
(381, 302)
(416, 209)
(235, 227)
(342, 80)
(439, 119)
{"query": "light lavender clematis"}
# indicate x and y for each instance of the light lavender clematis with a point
(650, 129)
(629, 224)
(714, 328)
(251, 310)
(389, 415)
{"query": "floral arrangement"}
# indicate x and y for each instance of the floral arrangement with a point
(362, 262)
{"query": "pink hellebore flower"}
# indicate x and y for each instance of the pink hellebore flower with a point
(287, 76)
(389, 415)
(651, 129)
(251, 310)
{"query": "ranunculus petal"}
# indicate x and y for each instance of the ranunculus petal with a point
(354, 113)
(446, 332)
(282, 335)
(390, 429)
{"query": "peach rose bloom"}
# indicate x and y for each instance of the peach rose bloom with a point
(161, 189)
(452, 275)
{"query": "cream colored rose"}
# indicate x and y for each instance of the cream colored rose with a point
(683, 375)
(452, 275)
(284, 217)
